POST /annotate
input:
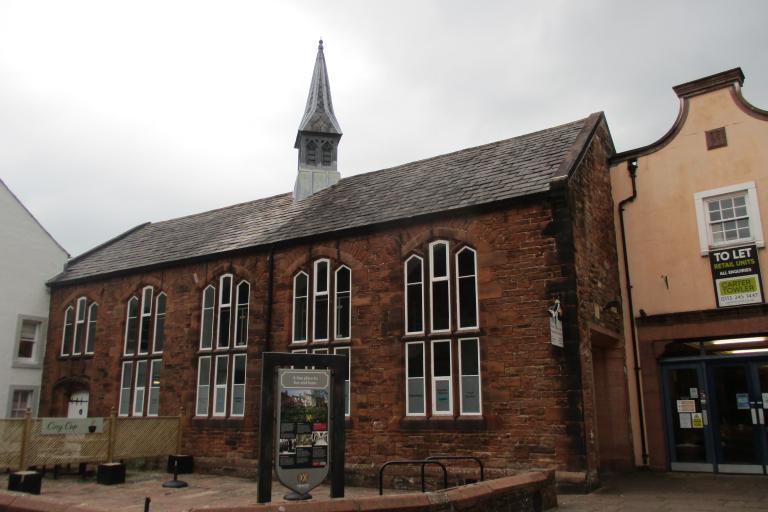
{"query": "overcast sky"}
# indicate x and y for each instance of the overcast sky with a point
(116, 113)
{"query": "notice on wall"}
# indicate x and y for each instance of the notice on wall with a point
(694, 393)
(685, 420)
(736, 276)
(302, 426)
(696, 420)
(765, 400)
(686, 406)
(556, 324)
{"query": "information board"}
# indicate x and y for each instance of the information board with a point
(303, 428)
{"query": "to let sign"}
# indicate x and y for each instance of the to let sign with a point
(303, 414)
(71, 426)
(736, 276)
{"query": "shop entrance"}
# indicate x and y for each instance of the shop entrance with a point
(716, 415)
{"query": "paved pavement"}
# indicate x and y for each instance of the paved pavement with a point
(211, 490)
(667, 492)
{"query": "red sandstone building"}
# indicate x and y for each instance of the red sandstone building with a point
(434, 277)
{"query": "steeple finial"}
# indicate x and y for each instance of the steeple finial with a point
(320, 45)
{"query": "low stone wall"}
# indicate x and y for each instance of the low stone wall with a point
(529, 492)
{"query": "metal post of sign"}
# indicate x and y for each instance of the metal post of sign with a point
(270, 362)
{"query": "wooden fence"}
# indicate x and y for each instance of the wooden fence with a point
(23, 443)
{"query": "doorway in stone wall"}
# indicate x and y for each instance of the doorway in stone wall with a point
(78, 405)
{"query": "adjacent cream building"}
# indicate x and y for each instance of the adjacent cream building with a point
(690, 211)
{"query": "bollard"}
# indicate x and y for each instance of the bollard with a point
(147, 501)
(175, 483)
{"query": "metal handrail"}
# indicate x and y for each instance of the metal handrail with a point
(460, 457)
(412, 462)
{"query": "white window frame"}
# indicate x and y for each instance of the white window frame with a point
(140, 386)
(127, 412)
(152, 386)
(144, 313)
(479, 380)
(316, 294)
(68, 314)
(347, 382)
(88, 328)
(220, 387)
(433, 279)
(423, 379)
(232, 397)
(127, 323)
(306, 315)
(458, 290)
(38, 347)
(247, 305)
(79, 326)
(154, 325)
(753, 210)
(202, 317)
(32, 404)
(207, 386)
(435, 379)
(299, 351)
(336, 303)
(421, 284)
(221, 306)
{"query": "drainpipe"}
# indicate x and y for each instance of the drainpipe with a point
(268, 314)
(632, 169)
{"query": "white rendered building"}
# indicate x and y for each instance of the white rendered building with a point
(28, 257)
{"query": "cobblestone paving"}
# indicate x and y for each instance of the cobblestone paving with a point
(203, 490)
(668, 492)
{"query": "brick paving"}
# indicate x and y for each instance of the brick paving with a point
(667, 492)
(203, 490)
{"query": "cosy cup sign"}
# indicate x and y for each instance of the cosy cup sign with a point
(71, 426)
(736, 276)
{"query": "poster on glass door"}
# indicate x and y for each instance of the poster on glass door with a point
(736, 276)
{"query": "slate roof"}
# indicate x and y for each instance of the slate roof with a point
(475, 176)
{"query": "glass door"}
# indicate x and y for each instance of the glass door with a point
(690, 446)
(736, 418)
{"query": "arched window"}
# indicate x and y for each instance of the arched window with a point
(327, 153)
(466, 288)
(311, 153)
(440, 294)
(90, 334)
(159, 338)
(321, 282)
(206, 324)
(66, 337)
(241, 314)
(131, 326)
(431, 379)
(414, 295)
(300, 307)
(79, 327)
(218, 394)
(225, 311)
(146, 317)
(140, 379)
(343, 303)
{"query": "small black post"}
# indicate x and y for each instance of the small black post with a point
(175, 483)
(147, 500)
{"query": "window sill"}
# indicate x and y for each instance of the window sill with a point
(28, 364)
(444, 423)
(75, 357)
